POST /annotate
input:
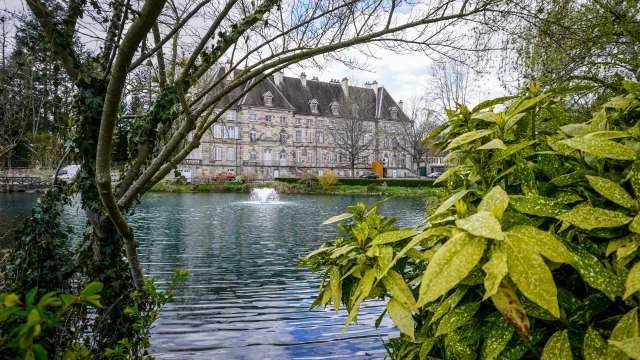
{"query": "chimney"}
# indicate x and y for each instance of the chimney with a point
(401, 104)
(315, 78)
(278, 77)
(374, 86)
(303, 79)
(345, 86)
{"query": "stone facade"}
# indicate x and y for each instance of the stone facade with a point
(283, 128)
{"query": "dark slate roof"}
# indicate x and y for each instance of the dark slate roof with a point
(299, 96)
(254, 97)
(385, 103)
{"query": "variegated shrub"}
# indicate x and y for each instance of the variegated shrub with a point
(532, 254)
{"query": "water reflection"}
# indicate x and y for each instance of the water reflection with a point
(245, 298)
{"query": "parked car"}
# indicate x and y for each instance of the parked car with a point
(68, 173)
(224, 176)
(370, 175)
(434, 175)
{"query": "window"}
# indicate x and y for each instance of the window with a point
(298, 121)
(267, 97)
(217, 131)
(319, 123)
(334, 108)
(299, 156)
(310, 156)
(313, 104)
(321, 158)
(231, 154)
(283, 119)
(230, 132)
(253, 117)
(283, 155)
(267, 118)
(253, 135)
(331, 139)
(253, 154)
(332, 157)
(403, 161)
(283, 137)
(231, 115)
(218, 154)
(309, 136)
(309, 123)
(355, 110)
(368, 139)
(320, 136)
(394, 112)
(298, 136)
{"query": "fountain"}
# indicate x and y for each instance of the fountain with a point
(264, 196)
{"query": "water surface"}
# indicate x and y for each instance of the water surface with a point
(245, 299)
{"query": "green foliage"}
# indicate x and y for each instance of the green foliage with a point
(327, 180)
(542, 218)
(25, 322)
(308, 181)
(365, 182)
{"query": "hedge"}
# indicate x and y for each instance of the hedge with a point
(365, 182)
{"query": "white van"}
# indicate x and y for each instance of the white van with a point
(68, 173)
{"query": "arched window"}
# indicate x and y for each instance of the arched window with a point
(283, 137)
(355, 110)
(334, 108)
(253, 135)
(283, 155)
(253, 154)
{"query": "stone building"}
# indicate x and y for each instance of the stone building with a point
(284, 127)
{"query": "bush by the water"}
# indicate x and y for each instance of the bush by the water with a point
(372, 188)
(365, 182)
(327, 180)
(308, 181)
(533, 253)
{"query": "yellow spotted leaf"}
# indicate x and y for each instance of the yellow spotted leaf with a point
(626, 328)
(588, 218)
(557, 348)
(631, 347)
(601, 148)
(393, 236)
(482, 224)
(544, 243)
(496, 201)
(509, 306)
(632, 284)
(612, 191)
(496, 269)
(399, 289)
(401, 317)
(594, 347)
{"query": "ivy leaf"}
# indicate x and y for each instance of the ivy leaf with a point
(457, 317)
(632, 284)
(468, 137)
(453, 261)
(587, 217)
(482, 224)
(493, 144)
(538, 205)
(500, 332)
(393, 236)
(601, 148)
(544, 243)
(496, 269)
(337, 218)
(531, 274)
(594, 273)
(594, 348)
(626, 328)
(509, 306)
(496, 201)
(557, 348)
(631, 347)
(612, 191)
(401, 317)
(399, 289)
(336, 287)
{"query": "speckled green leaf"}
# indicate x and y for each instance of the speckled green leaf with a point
(450, 201)
(399, 289)
(587, 217)
(570, 179)
(530, 273)
(557, 348)
(631, 347)
(495, 201)
(449, 303)
(632, 87)
(457, 317)
(527, 104)
(616, 244)
(594, 347)
(567, 197)
(550, 165)
(496, 269)
(447, 174)
(353, 314)
(489, 103)
(575, 129)
(509, 306)
(500, 332)
(401, 317)
(488, 116)
(366, 283)
(626, 328)
(482, 224)
(510, 150)
(337, 218)
(601, 148)
(426, 347)
(635, 225)
(544, 243)
(453, 261)
(511, 121)
(393, 236)
(468, 137)
(612, 191)
(609, 134)
(594, 273)
(336, 287)
(633, 281)
(527, 178)
(620, 102)
(493, 144)
(538, 205)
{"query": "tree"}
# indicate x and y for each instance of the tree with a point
(448, 83)
(258, 39)
(353, 131)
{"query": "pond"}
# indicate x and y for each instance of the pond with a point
(245, 299)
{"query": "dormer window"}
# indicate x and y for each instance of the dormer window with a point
(355, 110)
(334, 108)
(268, 99)
(394, 112)
(313, 104)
